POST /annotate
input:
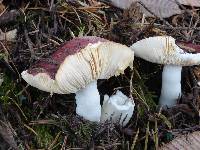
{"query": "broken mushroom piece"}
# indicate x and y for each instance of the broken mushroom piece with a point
(163, 50)
(75, 68)
(117, 108)
(8, 36)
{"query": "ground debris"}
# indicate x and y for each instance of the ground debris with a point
(35, 120)
(186, 141)
(7, 132)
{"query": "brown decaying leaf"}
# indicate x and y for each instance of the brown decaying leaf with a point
(195, 3)
(2, 7)
(158, 8)
(7, 134)
(124, 4)
(189, 141)
(6, 131)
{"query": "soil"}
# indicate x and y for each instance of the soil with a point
(33, 119)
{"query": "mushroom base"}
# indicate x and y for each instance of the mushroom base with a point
(171, 85)
(117, 108)
(88, 103)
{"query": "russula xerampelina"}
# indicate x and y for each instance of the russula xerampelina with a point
(75, 68)
(163, 50)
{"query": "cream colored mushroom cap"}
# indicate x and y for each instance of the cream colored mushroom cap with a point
(163, 50)
(97, 60)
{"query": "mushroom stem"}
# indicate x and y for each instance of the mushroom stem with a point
(88, 102)
(171, 85)
(118, 108)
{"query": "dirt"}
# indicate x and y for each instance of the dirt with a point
(33, 119)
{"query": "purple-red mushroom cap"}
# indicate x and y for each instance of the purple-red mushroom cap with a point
(77, 63)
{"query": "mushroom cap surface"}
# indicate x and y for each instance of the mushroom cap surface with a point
(77, 63)
(163, 50)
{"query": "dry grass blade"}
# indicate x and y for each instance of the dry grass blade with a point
(146, 137)
(122, 4)
(54, 141)
(135, 139)
(190, 141)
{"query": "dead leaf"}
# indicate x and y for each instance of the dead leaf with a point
(124, 4)
(6, 131)
(194, 3)
(158, 8)
(8, 36)
(184, 142)
(2, 7)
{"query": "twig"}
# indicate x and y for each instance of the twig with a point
(135, 139)
(146, 137)
(54, 141)
(64, 143)
(30, 45)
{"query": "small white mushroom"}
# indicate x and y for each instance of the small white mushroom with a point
(163, 50)
(117, 108)
(9, 36)
(76, 66)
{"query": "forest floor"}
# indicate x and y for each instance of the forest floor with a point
(33, 119)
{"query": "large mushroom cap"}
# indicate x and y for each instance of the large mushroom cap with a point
(163, 50)
(77, 63)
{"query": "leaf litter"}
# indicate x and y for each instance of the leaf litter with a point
(35, 120)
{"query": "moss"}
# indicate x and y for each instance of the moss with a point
(8, 90)
(84, 131)
(44, 136)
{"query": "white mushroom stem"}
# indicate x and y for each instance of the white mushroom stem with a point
(117, 108)
(171, 85)
(88, 102)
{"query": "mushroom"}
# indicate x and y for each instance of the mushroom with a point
(8, 36)
(163, 50)
(75, 68)
(118, 108)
